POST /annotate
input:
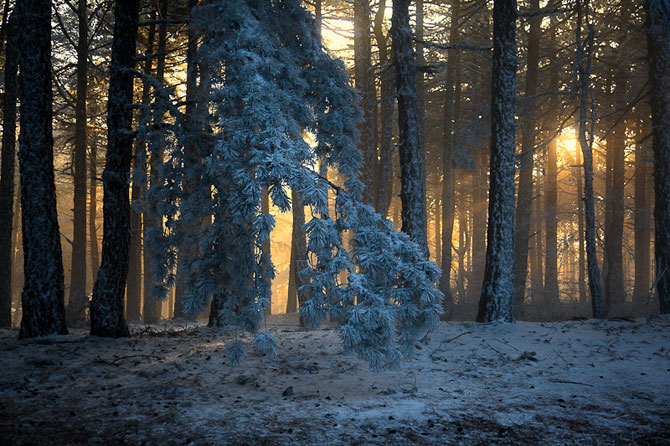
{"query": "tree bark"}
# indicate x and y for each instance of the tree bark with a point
(583, 76)
(412, 168)
(658, 45)
(77, 299)
(452, 94)
(525, 199)
(364, 80)
(108, 293)
(8, 166)
(188, 251)
(43, 290)
(298, 254)
(152, 307)
(642, 226)
(497, 299)
(386, 112)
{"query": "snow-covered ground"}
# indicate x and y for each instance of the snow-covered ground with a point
(578, 382)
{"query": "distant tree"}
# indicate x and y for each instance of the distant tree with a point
(658, 42)
(8, 167)
(43, 291)
(412, 163)
(107, 304)
(496, 302)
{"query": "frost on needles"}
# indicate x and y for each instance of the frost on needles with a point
(266, 82)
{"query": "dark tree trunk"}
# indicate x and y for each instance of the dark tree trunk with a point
(77, 300)
(412, 168)
(420, 61)
(108, 293)
(188, 251)
(448, 183)
(537, 217)
(525, 199)
(497, 299)
(615, 291)
(8, 166)
(387, 101)
(478, 226)
(152, 306)
(585, 139)
(658, 52)
(581, 274)
(364, 80)
(298, 254)
(135, 283)
(93, 211)
(642, 231)
(551, 225)
(43, 290)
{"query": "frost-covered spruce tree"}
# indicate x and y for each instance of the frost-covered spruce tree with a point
(496, 302)
(271, 83)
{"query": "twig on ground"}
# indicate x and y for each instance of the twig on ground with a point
(446, 341)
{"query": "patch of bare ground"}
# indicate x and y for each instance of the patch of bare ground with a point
(578, 382)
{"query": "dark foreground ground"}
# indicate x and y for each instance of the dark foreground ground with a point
(583, 382)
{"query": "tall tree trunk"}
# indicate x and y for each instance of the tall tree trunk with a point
(298, 254)
(448, 181)
(497, 299)
(364, 79)
(615, 291)
(108, 293)
(93, 210)
(525, 199)
(642, 225)
(412, 168)
(581, 274)
(478, 226)
(386, 105)
(658, 52)
(537, 217)
(8, 166)
(188, 251)
(551, 225)
(135, 281)
(77, 300)
(267, 250)
(43, 291)
(152, 307)
(421, 87)
(585, 140)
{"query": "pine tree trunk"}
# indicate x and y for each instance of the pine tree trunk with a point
(298, 253)
(420, 61)
(583, 74)
(93, 211)
(386, 113)
(43, 291)
(536, 277)
(135, 282)
(642, 226)
(412, 168)
(478, 226)
(188, 251)
(658, 45)
(525, 199)
(8, 166)
(107, 304)
(448, 183)
(497, 299)
(152, 307)
(364, 79)
(77, 299)
(581, 275)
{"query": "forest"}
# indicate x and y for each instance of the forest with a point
(334, 221)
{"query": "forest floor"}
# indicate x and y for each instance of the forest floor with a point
(577, 382)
